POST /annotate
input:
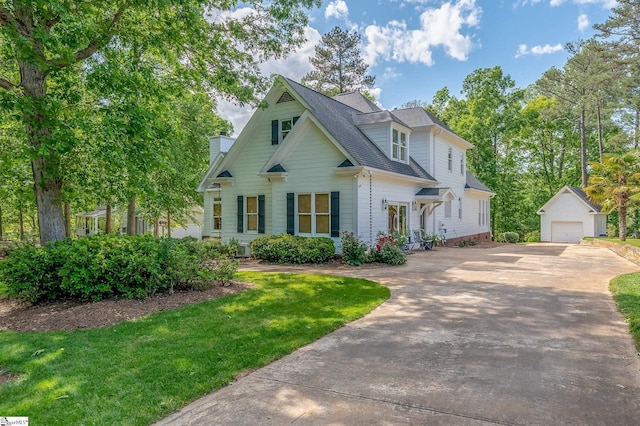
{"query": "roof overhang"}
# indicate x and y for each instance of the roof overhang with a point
(348, 171)
(274, 176)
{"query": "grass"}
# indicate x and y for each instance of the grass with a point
(629, 241)
(3, 290)
(626, 293)
(139, 371)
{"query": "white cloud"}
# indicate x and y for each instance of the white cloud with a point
(583, 21)
(554, 3)
(337, 9)
(294, 67)
(439, 27)
(524, 50)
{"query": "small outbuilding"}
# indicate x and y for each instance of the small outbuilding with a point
(569, 216)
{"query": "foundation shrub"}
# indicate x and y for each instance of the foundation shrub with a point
(104, 266)
(285, 248)
(354, 251)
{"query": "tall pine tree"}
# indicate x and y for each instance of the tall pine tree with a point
(338, 65)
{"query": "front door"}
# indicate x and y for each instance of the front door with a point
(397, 218)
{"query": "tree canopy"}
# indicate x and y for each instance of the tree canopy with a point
(49, 51)
(338, 64)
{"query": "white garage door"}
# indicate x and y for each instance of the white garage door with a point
(566, 232)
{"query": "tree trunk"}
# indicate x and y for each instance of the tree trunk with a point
(622, 221)
(45, 168)
(131, 216)
(21, 224)
(583, 147)
(156, 225)
(0, 223)
(600, 144)
(108, 220)
(168, 225)
(636, 135)
(67, 220)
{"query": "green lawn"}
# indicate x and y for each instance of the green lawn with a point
(3, 290)
(626, 292)
(140, 371)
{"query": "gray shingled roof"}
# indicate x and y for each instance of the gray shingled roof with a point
(338, 119)
(377, 117)
(581, 194)
(474, 183)
(417, 117)
(357, 101)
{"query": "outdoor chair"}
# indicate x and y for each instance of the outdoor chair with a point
(417, 239)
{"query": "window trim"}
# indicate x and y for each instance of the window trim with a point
(450, 159)
(460, 208)
(462, 163)
(216, 201)
(247, 214)
(312, 214)
(447, 209)
(402, 151)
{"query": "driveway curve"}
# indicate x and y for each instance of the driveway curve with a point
(513, 335)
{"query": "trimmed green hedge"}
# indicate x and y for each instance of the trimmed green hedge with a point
(103, 266)
(286, 248)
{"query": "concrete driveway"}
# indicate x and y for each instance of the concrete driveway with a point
(516, 335)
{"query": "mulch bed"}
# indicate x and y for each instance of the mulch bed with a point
(70, 315)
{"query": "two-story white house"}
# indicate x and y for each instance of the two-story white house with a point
(314, 166)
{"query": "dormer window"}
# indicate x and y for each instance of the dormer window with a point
(285, 128)
(399, 145)
(281, 128)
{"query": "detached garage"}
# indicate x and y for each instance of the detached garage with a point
(569, 216)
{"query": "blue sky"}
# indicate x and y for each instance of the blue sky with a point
(416, 47)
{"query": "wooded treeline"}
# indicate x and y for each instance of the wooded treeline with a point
(529, 142)
(111, 102)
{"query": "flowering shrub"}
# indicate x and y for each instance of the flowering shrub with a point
(354, 251)
(387, 250)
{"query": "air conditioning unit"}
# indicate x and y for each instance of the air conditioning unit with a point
(244, 250)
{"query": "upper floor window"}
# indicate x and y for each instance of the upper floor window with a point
(462, 164)
(449, 159)
(399, 146)
(281, 128)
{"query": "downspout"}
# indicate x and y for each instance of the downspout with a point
(370, 208)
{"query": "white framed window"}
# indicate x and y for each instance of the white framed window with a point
(450, 159)
(285, 128)
(447, 209)
(462, 164)
(217, 214)
(314, 214)
(251, 213)
(399, 145)
(479, 212)
(460, 208)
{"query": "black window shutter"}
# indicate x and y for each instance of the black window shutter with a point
(240, 214)
(335, 214)
(291, 216)
(274, 132)
(261, 218)
(295, 119)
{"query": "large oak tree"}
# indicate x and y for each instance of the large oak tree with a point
(215, 44)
